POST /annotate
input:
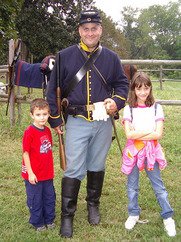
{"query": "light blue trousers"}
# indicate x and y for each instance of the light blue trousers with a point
(86, 146)
(158, 187)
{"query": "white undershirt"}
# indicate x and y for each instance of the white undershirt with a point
(144, 118)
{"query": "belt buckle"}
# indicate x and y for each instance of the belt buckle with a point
(90, 107)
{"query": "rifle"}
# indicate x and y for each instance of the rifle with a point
(11, 70)
(115, 133)
(60, 136)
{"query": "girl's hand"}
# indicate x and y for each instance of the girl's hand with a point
(131, 127)
(131, 133)
(32, 179)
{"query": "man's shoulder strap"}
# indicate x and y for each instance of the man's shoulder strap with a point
(93, 56)
(81, 73)
(95, 68)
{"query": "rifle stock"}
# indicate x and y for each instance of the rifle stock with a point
(60, 136)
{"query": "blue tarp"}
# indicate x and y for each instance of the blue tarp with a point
(28, 75)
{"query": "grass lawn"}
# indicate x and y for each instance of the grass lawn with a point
(14, 214)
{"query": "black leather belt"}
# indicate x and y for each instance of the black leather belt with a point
(79, 109)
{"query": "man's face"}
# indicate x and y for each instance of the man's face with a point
(90, 34)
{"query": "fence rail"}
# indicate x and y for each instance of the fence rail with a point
(169, 102)
(151, 62)
(159, 63)
(16, 98)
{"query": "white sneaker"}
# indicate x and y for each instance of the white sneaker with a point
(169, 225)
(131, 221)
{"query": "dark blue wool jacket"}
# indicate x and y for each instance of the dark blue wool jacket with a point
(90, 89)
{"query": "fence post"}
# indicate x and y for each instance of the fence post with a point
(19, 106)
(161, 77)
(12, 91)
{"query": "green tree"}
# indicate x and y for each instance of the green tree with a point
(113, 37)
(130, 30)
(46, 26)
(154, 32)
(8, 12)
(162, 24)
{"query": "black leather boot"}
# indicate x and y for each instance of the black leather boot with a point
(94, 190)
(70, 190)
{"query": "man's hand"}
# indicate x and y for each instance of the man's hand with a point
(110, 106)
(59, 129)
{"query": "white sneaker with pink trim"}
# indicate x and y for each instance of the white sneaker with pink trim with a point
(131, 222)
(169, 225)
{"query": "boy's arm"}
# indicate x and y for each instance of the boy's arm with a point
(31, 176)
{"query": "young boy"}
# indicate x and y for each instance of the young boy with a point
(37, 167)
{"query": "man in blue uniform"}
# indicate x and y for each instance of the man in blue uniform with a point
(93, 82)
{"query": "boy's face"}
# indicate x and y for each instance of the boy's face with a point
(40, 117)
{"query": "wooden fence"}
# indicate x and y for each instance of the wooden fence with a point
(159, 63)
(17, 98)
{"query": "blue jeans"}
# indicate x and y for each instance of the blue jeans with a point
(86, 146)
(158, 187)
(41, 202)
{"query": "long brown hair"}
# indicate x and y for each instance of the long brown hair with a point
(139, 79)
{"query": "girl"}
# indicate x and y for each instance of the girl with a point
(143, 125)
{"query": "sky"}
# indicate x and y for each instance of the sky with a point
(113, 8)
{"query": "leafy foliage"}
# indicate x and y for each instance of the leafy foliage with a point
(153, 33)
(8, 11)
(113, 38)
(48, 26)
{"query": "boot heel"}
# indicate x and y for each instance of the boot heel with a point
(93, 215)
(66, 230)
(94, 190)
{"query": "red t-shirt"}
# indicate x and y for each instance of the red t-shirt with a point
(38, 143)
